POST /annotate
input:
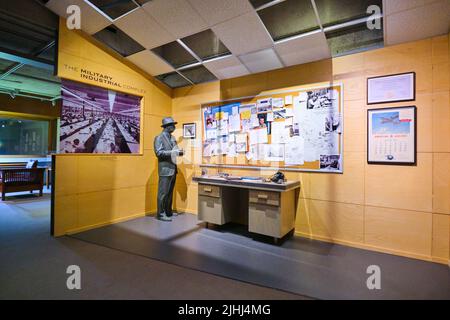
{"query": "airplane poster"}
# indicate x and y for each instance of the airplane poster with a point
(392, 135)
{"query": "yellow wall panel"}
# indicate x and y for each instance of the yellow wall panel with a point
(441, 77)
(127, 201)
(354, 87)
(355, 126)
(95, 208)
(186, 198)
(441, 183)
(441, 122)
(67, 168)
(66, 218)
(405, 231)
(347, 187)
(348, 64)
(402, 187)
(441, 236)
(440, 49)
(331, 220)
(161, 103)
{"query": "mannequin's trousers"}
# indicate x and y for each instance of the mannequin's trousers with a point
(165, 195)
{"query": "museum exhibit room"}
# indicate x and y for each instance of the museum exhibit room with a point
(248, 150)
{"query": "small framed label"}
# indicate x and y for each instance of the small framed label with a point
(391, 88)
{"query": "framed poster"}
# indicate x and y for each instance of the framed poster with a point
(99, 120)
(189, 130)
(391, 88)
(391, 136)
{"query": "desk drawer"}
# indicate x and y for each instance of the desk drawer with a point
(209, 190)
(264, 197)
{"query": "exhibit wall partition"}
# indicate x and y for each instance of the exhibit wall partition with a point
(399, 209)
(103, 179)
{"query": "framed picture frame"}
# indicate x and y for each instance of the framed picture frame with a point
(189, 130)
(392, 136)
(391, 88)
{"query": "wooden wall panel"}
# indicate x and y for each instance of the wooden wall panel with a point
(441, 234)
(331, 220)
(401, 187)
(409, 232)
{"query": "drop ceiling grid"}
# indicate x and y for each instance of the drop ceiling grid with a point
(236, 24)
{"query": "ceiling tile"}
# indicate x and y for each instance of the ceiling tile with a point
(353, 39)
(308, 48)
(394, 6)
(144, 29)
(258, 3)
(226, 67)
(289, 18)
(173, 80)
(118, 40)
(150, 63)
(217, 11)
(114, 9)
(206, 45)
(243, 34)
(175, 54)
(198, 74)
(332, 12)
(176, 16)
(418, 23)
(261, 61)
(91, 22)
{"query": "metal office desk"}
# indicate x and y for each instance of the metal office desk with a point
(267, 208)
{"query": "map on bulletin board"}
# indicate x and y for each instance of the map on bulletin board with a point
(298, 130)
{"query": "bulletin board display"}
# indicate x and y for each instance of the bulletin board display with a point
(294, 130)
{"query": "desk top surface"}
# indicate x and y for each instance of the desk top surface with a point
(248, 184)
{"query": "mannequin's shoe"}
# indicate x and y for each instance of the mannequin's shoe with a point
(163, 217)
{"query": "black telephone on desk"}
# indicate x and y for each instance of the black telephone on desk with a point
(278, 177)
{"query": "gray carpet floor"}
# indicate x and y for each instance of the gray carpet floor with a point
(311, 268)
(33, 265)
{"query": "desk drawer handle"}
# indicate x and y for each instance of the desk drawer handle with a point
(263, 196)
(207, 189)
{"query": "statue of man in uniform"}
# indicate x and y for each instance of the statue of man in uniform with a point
(166, 150)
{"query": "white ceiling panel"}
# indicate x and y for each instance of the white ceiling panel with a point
(308, 48)
(260, 61)
(217, 11)
(150, 63)
(144, 29)
(419, 23)
(243, 34)
(176, 16)
(91, 20)
(395, 6)
(227, 67)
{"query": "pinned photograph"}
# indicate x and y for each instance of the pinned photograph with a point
(189, 130)
(330, 162)
(264, 105)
